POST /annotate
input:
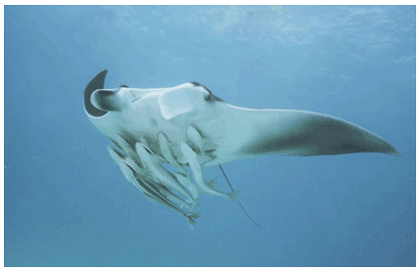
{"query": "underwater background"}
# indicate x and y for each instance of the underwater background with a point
(66, 203)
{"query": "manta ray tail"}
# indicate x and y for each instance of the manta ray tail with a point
(234, 195)
(240, 204)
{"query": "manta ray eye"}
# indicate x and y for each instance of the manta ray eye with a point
(211, 97)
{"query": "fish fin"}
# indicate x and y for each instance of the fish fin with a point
(195, 215)
(191, 222)
(148, 197)
(193, 205)
(191, 219)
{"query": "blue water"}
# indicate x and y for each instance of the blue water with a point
(67, 203)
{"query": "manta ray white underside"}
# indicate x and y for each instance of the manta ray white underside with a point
(160, 132)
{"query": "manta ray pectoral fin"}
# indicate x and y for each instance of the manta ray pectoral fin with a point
(299, 133)
(320, 134)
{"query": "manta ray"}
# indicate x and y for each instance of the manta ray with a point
(158, 133)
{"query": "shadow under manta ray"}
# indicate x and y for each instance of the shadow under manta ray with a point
(188, 126)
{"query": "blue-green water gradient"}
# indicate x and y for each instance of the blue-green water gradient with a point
(66, 202)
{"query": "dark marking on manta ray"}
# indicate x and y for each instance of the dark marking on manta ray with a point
(211, 97)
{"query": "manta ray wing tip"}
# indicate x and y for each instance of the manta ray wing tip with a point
(395, 153)
(389, 149)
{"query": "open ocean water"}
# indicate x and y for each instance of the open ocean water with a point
(66, 203)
